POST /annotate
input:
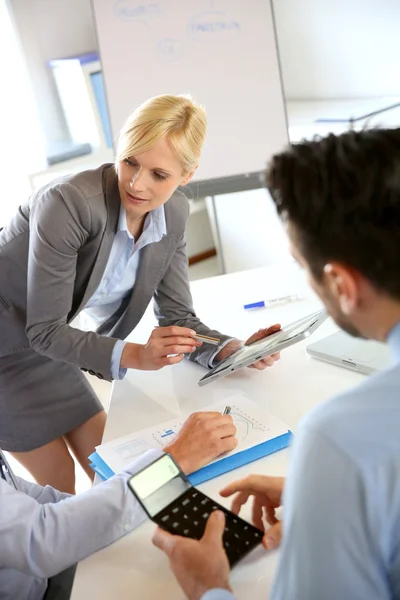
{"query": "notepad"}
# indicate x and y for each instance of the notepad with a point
(258, 434)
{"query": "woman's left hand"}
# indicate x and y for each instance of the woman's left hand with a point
(234, 345)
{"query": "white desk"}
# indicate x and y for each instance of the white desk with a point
(304, 116)
(132, 568)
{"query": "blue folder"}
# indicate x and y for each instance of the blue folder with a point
(100, 467)
(217, 468)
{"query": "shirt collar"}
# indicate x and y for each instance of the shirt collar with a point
(393, 340)
(154, 228)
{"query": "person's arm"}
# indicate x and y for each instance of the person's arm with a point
(42, 495)
(328, 550)
(60, 224)
(44, 539)
(173, 305)
(41, 535)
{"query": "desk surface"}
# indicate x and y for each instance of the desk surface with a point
(288, 390)
(307, 118)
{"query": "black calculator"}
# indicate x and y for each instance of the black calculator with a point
(174, 504)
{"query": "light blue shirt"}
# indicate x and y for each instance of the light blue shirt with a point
(342, 498)
(42, 531)
(120, 275)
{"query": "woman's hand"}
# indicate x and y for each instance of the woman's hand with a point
(234, 345)
(165, 346)
(267, 497)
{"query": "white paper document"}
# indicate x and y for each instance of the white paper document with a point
(253, 425)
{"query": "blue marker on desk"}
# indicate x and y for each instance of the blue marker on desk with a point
(271, 302)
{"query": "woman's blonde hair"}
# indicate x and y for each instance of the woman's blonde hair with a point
(177, 117)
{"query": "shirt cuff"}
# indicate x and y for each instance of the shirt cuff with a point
(143, 461)
(211, 362)
(218, 594)
(116, 371)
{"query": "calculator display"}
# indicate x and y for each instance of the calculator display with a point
(158, 485)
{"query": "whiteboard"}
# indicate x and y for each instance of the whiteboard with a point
(222, 52)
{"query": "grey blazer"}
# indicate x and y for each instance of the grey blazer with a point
(53, 255)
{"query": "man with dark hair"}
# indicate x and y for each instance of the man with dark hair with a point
(340, 200)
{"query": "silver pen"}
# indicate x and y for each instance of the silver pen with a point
(207, 339)
(227, 410)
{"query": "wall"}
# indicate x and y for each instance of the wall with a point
(245, 241)
(339, 48)
(198, 233)
(328, 48)
(52, 29)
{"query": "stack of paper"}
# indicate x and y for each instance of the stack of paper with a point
(257, 436)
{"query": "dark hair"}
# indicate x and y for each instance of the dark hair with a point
(341, 195)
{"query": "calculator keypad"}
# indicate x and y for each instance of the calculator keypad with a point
(188, 514)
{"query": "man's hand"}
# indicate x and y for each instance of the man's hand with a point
(234, 345)
(203, 437)
(199, 566)
(165, 346)
(267, 495)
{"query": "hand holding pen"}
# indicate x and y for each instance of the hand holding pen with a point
(203, 437)
(165, 346)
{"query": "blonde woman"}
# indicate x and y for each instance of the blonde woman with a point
(100, 244)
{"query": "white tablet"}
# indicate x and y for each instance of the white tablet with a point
(247, 355)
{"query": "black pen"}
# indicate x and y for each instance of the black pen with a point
(227, 410)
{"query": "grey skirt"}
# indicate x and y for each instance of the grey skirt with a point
(41, 400)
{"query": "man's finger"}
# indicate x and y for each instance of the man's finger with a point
(257, 513)
(164, 541)
(252, 484)
(225, 431)
(238, 501)
(270, 514)
(272, 538)
(215, 527)
(227, 444)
